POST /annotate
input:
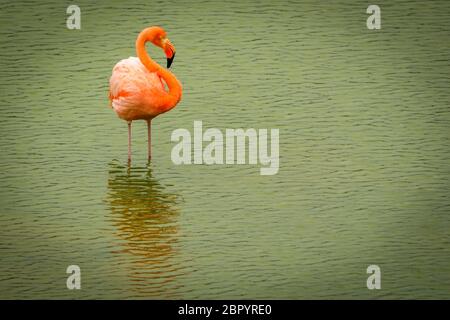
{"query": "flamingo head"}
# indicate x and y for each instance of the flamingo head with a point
(160, 39)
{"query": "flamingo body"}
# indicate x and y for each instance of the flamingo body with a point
(135, 92)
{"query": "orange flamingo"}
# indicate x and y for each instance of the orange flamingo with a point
(137, 85)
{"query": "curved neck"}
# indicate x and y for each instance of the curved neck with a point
(174, 94)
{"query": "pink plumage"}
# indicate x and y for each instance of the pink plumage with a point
(137, 87)
(135, 92)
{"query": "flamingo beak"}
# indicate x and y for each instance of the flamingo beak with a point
(170, 60)
(169, 49)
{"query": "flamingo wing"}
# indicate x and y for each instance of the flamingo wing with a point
(135, 92)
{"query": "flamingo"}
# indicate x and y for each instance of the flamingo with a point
(137, 86)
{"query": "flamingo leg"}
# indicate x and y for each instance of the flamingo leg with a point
(129, 141)
(149, 139)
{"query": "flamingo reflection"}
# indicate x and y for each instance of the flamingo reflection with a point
(146, 219)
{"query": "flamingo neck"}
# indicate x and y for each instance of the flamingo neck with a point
(174, 86)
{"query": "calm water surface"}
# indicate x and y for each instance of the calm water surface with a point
(364, 142)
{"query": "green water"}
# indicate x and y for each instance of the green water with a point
(364, 172)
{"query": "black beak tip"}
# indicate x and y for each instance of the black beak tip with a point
(169, 61)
